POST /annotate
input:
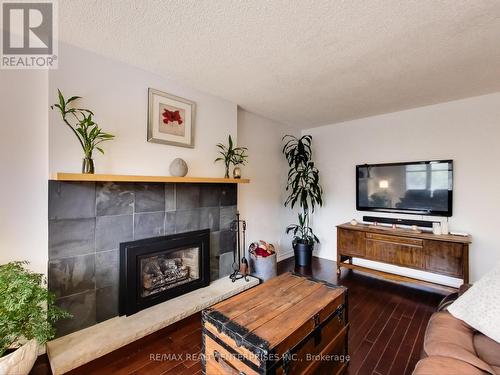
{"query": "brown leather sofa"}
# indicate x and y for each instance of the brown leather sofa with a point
(451, 347)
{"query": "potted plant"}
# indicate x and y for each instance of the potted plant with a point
(86, 130)
(240, 158)
(232, 155)
(27, 317)
(303, 189)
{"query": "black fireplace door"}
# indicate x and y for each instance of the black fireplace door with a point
(157, 269)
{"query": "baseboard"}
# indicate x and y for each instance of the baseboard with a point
(282, 255)
(408, 272)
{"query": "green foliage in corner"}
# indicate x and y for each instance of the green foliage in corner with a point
(27, 309)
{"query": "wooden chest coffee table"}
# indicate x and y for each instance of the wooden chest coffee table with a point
(288, 325)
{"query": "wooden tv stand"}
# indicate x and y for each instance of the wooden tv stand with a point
(441, 254)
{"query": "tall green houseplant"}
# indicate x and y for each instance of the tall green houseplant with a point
(304, 190)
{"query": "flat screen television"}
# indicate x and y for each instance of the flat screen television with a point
(422, 188)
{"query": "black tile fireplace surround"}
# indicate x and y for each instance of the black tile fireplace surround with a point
(88, 221)
(157, 269)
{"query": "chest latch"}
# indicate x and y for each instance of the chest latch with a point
(317, 330)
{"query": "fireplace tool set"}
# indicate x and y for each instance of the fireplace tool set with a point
(240, 263)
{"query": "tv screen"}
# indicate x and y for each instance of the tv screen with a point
(423, 188)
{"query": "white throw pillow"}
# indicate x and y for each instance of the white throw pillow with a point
(479, 306)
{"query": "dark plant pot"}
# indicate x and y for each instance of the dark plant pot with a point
(303, 254)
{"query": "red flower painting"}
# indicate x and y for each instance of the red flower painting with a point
(171, 116)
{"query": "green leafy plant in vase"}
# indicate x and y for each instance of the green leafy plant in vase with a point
(27, 317)
(303, 189)
(232, 155)
(82, 124)
(239, 159)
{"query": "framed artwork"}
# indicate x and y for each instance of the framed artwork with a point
(170, 119)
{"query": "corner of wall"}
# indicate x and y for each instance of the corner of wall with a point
(261, 201)
(24, 111)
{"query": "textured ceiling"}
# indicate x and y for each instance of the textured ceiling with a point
(305, 63)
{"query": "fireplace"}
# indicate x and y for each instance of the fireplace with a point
(157, 269)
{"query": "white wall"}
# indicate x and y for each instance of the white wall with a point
(24, 167)
(118, 95)
(467, 131)
(261, 201)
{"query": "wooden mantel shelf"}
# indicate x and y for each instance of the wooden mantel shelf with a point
(133, 178)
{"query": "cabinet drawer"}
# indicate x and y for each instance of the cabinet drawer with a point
(394, 239)
(444, 257)
(400, 254)
(351, 242)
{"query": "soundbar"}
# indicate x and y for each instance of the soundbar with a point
(391, 220)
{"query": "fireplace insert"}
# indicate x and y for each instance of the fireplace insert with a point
(157, 269)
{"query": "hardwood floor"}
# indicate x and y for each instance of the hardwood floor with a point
(388, 322)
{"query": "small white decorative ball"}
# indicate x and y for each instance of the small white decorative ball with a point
(178, 168)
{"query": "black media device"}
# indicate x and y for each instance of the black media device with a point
(390, 220)
(420, 188)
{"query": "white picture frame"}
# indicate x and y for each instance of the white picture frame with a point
(171, 119)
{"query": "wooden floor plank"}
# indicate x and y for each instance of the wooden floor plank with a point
(357, 358)
(188, 344)
(388, 323)
(378, 346)
(386, 359)
(373, 323)
(402, 357)
(419, 342)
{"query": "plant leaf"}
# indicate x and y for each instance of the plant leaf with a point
(73, 98)
(62, 102)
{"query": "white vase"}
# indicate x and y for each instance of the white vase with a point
(21, 361)
(436, 228)
(444, 227)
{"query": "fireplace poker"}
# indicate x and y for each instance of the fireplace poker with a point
(240, 265)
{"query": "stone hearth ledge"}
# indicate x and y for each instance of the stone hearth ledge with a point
(78, 348)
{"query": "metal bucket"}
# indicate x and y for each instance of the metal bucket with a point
(264, 268)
